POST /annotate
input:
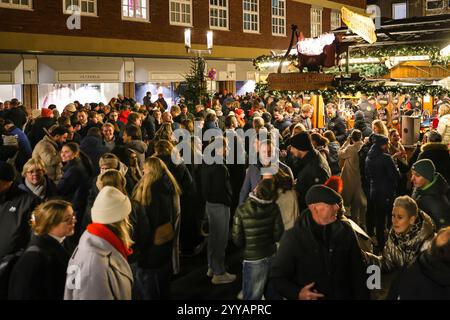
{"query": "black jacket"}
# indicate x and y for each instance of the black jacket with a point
(40, 274)
(161, 210)
(361, 125)
(439, 154)
(327, 255)
(339, 128)
(37, 130)
(216, 184)
(381, 173)
(15, 211)
(434, 201)
(180, 173)
(314, 170)
(94, 148)
(427, 278)
(16, 115)
(257, 226)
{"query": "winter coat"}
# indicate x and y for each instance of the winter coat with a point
(433, 199)
(257, 226)
(37, 129)
(361, 125)
(74, 186)
(333, 158)
(283, 125)
(401, 250)
(25, 150)
(339, 128)
(104, 273)
(428, 278)
(15, 212)
(180, 173)
(439, 154)
(16, 115)
(315, 170)
(140, 148)
(50, 191)
(40, 273)
(305, 121)
(381, 173)
(370, 112)
(327, 255)
(216, 184)
(47, 151)
(288, 203)
(253, 176)
(444, 128)
(351, 176)
(93, 147)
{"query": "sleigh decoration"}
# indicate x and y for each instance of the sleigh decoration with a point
(316, 53)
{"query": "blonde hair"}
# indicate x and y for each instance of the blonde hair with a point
(307, 108)
(112, 178)
(155, 168)
(164, 132)
(122, 229)
(108, 125)
(299, 127)
(48, 215)
(164, 147)
(444, 109)
(381, 126)
(258, 123)
(33, 162)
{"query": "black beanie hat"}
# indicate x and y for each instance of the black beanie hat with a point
(6, 171)
(302, 141)
(320, 193)
(380, 139)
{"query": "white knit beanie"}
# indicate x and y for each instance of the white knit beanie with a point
(110, 206)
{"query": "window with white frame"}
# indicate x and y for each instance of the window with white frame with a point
(279, 17)
(335, 20)
(316, 22)
(218, 14)
(180, 12)
(435, 4)
(86, 7)
(251, 15)
(135, 10)
(399, 10)
(16, 4)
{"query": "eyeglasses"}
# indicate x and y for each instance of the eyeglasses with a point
(70, 220)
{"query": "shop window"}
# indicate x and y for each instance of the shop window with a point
(136, 10)
(85, 7)
(17, 4)
(279, 17)
(399, 10)
(435, 4)
(218, 14)
(180, 12)
(251, 15)
(316, 22)
(335, 20)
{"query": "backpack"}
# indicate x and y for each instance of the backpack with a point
(7, 264)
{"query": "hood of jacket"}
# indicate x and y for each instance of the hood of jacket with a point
(434, 146)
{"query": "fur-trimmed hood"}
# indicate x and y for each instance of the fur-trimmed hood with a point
(433, 146)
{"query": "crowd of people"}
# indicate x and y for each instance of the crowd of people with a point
(93, 204)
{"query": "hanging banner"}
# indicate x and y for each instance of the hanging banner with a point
(359, 24)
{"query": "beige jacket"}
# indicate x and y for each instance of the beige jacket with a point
(288, 204)
(47, 151)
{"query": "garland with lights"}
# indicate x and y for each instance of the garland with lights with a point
(363, 87)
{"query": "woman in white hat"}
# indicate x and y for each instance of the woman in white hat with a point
(99, 269)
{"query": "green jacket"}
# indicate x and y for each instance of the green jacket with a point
(257, 226)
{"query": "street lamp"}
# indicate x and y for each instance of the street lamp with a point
(187, 43)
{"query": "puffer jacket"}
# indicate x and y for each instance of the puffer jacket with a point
(257, 226)
(333, 158)
(433, 199)
(47, 151)
(439, 154)
(104, 273)
(444, 128)
(401, 250)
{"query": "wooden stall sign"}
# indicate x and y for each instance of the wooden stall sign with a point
(299, 81)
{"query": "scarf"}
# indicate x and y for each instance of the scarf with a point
(405, 240)
(37, 190)
(102, 231)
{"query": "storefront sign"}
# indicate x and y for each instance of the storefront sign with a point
(166, 77)
(6, 77)
(88, 77)
(299, 81)
(359, 24)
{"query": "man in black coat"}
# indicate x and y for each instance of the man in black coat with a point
(431, 192)
(383, 177)
(314, 168)
(428, 278)
(319, 258)
(437, 152)
(16, 114)
(16, 206)
(45, 121)
(336, 124)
